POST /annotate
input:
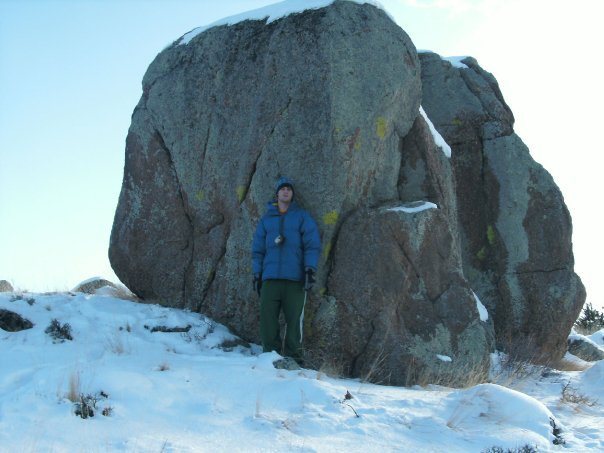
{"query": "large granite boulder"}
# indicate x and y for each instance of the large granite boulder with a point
(331, 98)
(514, 227)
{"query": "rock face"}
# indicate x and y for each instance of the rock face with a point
(514, 226)
(329, 97)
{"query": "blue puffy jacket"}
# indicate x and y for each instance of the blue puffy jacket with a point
(299, 250)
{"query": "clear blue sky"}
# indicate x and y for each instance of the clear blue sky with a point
(70, 76)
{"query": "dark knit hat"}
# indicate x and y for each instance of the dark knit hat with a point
(282, 182)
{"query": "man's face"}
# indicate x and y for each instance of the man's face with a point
(285, 194)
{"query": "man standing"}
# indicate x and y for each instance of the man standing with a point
(285, 253)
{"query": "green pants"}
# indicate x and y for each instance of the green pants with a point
(290, 297)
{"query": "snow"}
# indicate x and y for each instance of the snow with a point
(444, 358)
(456, 61)
(269, 14)
(482, 310)
(587, 339)
(182, 392)
(89, 280)
(438, 139)
(414, 206)
(597, 337)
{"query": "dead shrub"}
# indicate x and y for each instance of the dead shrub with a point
(571, 395)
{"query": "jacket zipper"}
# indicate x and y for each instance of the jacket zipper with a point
(281, 219)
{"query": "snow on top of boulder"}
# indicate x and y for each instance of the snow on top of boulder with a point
(574, 336)
(438, 139)
(270, 14)
(597, 337)
(414, 206)
(444, 358)
(482, 310)
(89, 280)
(456, 61)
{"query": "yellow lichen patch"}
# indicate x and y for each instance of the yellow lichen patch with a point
(456, 122)
(241, 193)
(491, 234)
(322, 291)
(200, 195)
(330, 218)
(326, 251)
(357, 143)
(381, 126)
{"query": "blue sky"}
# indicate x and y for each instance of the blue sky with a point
(70, 76)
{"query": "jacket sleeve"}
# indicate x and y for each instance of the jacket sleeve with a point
(258, 248)
(311, 241)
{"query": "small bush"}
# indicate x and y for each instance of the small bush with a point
(524, 449)
(115, 344)
(573, 396)
(86, 405)
(16, 297)
(590, 321)
(558, 439)
(59, 332)
(229, 345)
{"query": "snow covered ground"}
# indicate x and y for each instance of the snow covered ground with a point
(184, 392)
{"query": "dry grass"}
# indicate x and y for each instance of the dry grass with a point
(331, 368)
(115, 343)
(569, 365)
(74, 389)
(471, 374)
(122, 292)
(571, 395)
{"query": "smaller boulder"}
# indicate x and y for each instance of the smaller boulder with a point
(584, 348)
(13, 322)
(286, 363)
(5, 287)
(91, 285)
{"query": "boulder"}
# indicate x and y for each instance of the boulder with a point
(13, 322)
(224, 115)
(584, 348)
(90, 286)
(331, 98)
(6, 287)
(514, 227)
(403, 312)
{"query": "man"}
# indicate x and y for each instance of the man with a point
(285, 253)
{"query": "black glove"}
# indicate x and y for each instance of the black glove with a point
(309, 279)
(257, 283)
